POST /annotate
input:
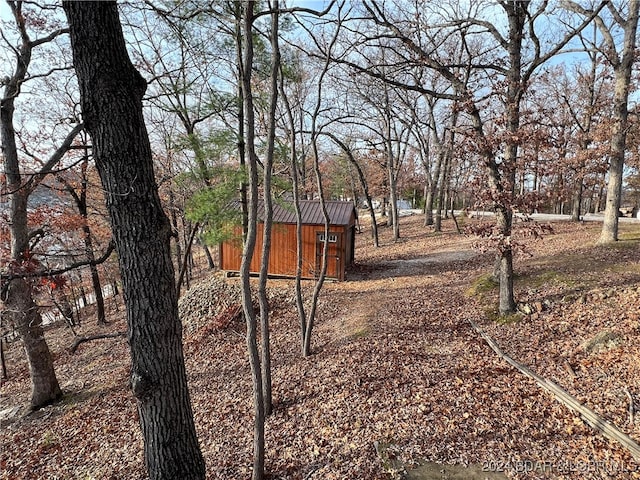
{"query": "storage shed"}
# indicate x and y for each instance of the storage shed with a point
(283, 258)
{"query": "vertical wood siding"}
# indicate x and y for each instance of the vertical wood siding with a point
(282, 258)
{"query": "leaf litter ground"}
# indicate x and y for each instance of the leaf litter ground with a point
(398, 376)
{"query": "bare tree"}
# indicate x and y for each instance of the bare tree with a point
(17, 291)
(111, 92)
(306, 317)
(570, 105)
(79, 195)
(248, 18)
(518, 64)
(348, 150)
(621, 57)
(265, 343)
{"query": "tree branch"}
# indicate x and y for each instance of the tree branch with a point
(8, 277)
(48, 38)
(316, 13)
(590, 16)
(55, 158)
(80, 340)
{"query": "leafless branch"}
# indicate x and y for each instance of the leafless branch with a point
(8, 277)
(48, 167)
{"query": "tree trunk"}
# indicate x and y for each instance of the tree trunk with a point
(88, 244)
(17, 296)
(393, 202)
(111, 92)
(614, 195)
(3, 363)
(18, 300)
(44, 384)
(185, 261)
(503, 195)
(428, 204)
(207, 253)
(250, 242)
(442, 186)
(577, 202)
(622, 70)
(392, 220)
(240, 103)
(445, 152)
(174, 224)
(310, 320)
(507, 303)
(80, 199)
(95, 277)
(363, 184)
(268, 215)
(83, 297)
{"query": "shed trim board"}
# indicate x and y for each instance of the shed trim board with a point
(282, 257)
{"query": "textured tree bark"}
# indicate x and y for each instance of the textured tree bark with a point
(44, 383)
(507, 303)
(616, 166)
(111, 93)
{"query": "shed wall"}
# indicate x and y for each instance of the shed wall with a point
(282, 258)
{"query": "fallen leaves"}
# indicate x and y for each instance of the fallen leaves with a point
(395, 364)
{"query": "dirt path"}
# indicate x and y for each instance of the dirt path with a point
(417, 266)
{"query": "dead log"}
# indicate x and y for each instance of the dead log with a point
(590, 417)
(80, 340)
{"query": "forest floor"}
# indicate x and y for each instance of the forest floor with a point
(398, 375)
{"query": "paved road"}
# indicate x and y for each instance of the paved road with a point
(543, 217)
(589, 217)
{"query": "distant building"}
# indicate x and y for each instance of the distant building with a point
(283, 258)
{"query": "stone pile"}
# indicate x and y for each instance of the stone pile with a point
(207, 299)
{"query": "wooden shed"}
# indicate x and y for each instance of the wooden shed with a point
(283, 258)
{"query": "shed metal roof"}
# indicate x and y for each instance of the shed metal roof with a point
(340, 212)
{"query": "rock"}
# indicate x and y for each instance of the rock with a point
(10, 413)
(604, 340)
(525, 308)
(205, 300)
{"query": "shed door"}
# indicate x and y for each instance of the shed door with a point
(334, 257)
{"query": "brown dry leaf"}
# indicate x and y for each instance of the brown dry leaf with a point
(395, 365)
